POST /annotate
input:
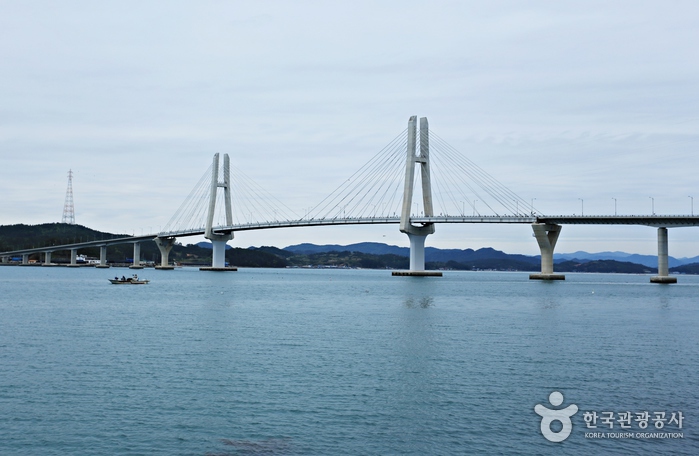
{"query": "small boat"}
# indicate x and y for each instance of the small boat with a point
(128, 280)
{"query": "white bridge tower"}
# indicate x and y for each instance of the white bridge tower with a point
(417, 234)
(219, 240)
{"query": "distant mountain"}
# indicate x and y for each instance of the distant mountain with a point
(374, 248)
(624, 267)
(376, 255)
(646, 260)
(489, 258)
(692, 268)
(469, 255)
(274, 251)
(432, 254)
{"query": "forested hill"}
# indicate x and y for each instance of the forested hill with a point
(16, 237)
(20, 236)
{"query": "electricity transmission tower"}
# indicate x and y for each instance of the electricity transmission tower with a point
(68, 208)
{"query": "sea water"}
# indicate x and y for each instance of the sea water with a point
(344, 362)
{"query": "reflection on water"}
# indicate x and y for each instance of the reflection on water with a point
(549, 303)
(256, 447)
(423, 303)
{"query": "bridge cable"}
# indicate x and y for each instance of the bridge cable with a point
(354, 190)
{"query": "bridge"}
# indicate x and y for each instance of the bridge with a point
(389, 189)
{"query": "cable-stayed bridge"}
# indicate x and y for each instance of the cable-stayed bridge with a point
(417, 181)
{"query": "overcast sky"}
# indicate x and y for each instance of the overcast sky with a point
(561, 101)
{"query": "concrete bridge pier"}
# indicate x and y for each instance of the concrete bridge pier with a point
(546, 236)
(164, 245)
(218, 254)
(417, 251)
(103, 257)
(73, 258)
(47, 259)
(417, 258)
(663, 273)
(136, 256)
(25, 258)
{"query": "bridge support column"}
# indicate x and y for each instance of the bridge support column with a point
(47, 259)
(218, 255)
(103, 257)
(417, 252)
(136, 256)
(546, 236)
(663, 273)
(25, 258)
(164, 245)
(73, 258)
(417, 234)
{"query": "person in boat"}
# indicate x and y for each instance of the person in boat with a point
(123, 278)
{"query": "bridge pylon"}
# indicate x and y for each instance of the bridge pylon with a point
(417, 233)
(219, 240)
